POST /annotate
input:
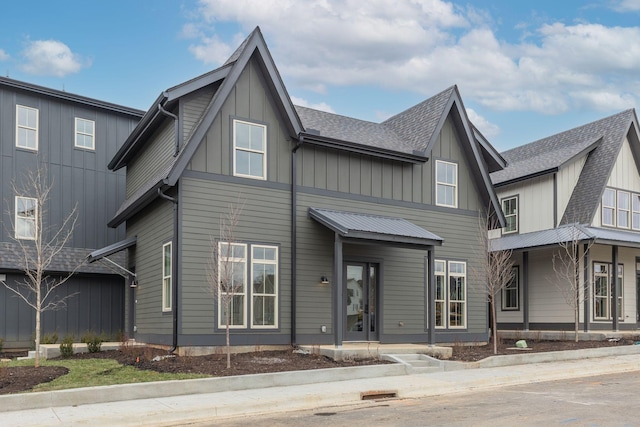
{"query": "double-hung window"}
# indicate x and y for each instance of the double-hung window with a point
(26, 127)
(602, 295)
(257, 301)
(511, 292)
(450, 294)
(167, 266)
(26, 219)
(609, 207)
(85, 133)
(635, 215)
(249, 150)
(510, 209)
(624, 209)
(446, 184)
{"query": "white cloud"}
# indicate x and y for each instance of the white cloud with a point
(425, 46)
(488, 129)
(322, 106)
(4, 55)
(51, 57)
(626, 5)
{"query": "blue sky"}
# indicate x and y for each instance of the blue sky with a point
(525, 69)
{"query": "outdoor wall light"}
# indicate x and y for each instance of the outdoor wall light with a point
(134, 283)
(324, 280)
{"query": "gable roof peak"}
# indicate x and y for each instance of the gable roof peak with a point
(236, 54)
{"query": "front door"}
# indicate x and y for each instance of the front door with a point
(360, 296)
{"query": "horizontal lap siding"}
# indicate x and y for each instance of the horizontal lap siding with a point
(153, 158)
(264, 218)
(153, 228)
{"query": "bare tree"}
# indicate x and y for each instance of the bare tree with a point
(39, 246)
(495, 272)
(566, 266)
(224, 273)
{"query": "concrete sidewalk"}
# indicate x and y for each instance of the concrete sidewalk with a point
(215, 406)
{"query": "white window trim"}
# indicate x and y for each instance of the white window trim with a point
(18, 218)
(263, 152)
(445, 311)
(18, 126)
(463, 302)
(504, 230)
(275, 286)
(244, 260)
(633, 210)
(448, 274)
(620, 210)
(92, 135)
(613, 208)
(167, 275)
(516, 281)
(609, 295)
(446, 184)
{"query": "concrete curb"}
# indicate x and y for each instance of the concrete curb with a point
(153, 390)
(123, 392)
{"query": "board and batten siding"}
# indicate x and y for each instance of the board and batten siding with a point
(403, 290)
(153, 228)
(264, 219)
(535, 203)
(353, 173)
(153, 158)
(192, 108)
(250, 101)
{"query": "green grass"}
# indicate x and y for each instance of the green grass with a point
(97, 372)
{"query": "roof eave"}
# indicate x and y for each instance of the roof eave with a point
(353, 147)
(526, 177)
(136, 206)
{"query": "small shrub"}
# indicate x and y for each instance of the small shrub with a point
(66, 346)
(49, 339)
(94, 344)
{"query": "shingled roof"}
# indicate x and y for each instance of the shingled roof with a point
(602, 140)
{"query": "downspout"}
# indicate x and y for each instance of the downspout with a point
(294, 205)
(175, 126)
(174, 268)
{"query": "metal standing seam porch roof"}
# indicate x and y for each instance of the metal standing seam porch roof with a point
(111, 249)
(392, 230)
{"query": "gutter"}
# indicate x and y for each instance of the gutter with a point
(174, 269)
(175, 126)
(294, 235)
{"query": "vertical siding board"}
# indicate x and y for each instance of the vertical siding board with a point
(354, 174)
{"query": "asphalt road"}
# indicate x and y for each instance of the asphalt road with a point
(609, 400)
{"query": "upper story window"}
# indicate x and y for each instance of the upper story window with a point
(26, 220)
(26, 127)
(249, 150)
(85, 133)
(620, 209)
(446, 184)
(167, 261)
(510, 209)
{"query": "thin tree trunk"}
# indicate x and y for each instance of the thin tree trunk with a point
(228, 340)
(494, 325)
(37, 343)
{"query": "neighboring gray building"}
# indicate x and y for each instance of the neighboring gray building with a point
(73, 137)
(349, 230)
(579, 186)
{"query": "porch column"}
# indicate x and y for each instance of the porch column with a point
(430, 279)
(525, 291)
(614, 287)
(338, 318)
(585, 273)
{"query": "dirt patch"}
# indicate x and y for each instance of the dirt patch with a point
(14, 380)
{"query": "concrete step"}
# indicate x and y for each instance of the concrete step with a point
(417, 363)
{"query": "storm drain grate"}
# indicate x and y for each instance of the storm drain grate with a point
(378, 394)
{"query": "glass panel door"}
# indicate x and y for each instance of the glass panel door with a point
(360, 281)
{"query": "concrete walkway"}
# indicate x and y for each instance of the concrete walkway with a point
(290, 391)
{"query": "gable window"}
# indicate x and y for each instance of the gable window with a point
(446, 184)
(609, 207)
(602, 278)
(167, 261)
(249, 150)
(635, 216)
(510, 209)
(26, 220)
(511, 292)
(450, 294)
(26, 127)
(623, 209)
(85, 133)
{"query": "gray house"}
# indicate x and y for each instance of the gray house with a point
(73, 137)
(580, 186)
(349, 230)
